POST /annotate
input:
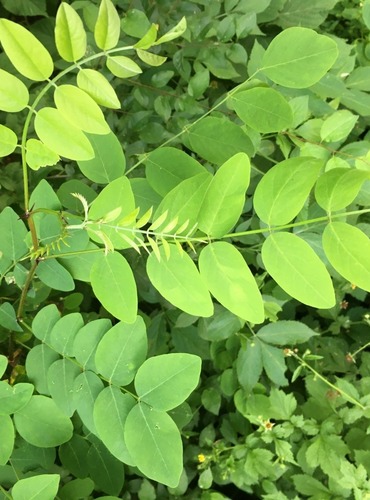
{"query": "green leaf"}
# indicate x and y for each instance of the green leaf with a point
(109, 162)
(44, 321)
(179, 281)
(8, 318)
(285, 333)
(175, 32)
(42, 487)
(39, 155)
(282, 405)
(298, 270)
(26, 7)
(38, 361)
(165, 381)
(77, 489)
(230, 281)
(366, 13)
(114, 286)
(8, 141)
(225, 197)
(3, 364)
(123, 66)
(55, 275)
(308, 485)
(25, 51)
(121, 351)
(13, 246)
(13, 93)
(249, 365)
(108, 26)
(13, 398)
(110, 412)
(299, 57)
(338, 187)
(87, 386)
(42, 424)
(70, 35)
(338, 126)
(216, 140)
(273, 361)
(64, 332)
(154, 442)
(106, 471)
(80, 109)
(149, 37)
(60, 136)
(73, 455)
(60, 377)
(166, 167)
(347, 249)
(263, 109)
(327, 451)
(150, 58)
(283, 190)
(87, 340)
(7, 435)
(98, 87)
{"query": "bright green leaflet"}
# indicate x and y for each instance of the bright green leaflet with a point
(165, 381)
(39, 155)
(249, 365)
(337, 188)
(14, 398)
(179, 281)
(14, 246)
(283, 190)
(6, 438)
(87, 340)
(109, 162)
(13, 93)
(44, 321)
(70, 35)
(55, 275)
(42, 424)
(64, 332)
(230, 281)
(347, 249)
(38, 361)
(121, 351)
(8, 141)
(123, 66)
(60, 377)
(42, 487)
(338, 126)
(285, 333)
(263, 109)
(80, 109)
(224, 200)
(25, 52)
(110, 412)
(298, 270)
(98, 87)
(154, 442)
(298, 57)
(113, 284)
(107, 27)
(61, 136)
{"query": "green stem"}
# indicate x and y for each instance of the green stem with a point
(25, 290)
(359, 350)
(5, 493)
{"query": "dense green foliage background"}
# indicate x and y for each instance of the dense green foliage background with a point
(272, 398)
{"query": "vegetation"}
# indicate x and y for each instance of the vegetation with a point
(184, 252)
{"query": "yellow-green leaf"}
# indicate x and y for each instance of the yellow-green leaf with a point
(70, 35)
(13, 93)
(175, 32)
(123, 66)
(39, 155)
(108, 26)
(8, 141)
(150, 58)
(98, 87)
(148, 39)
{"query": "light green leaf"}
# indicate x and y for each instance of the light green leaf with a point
(283, 190)
(216, 140)
(298, 270)
(114, 286)
(273, 361)
(299, 57)
(230, 281)
(110, 412)
(149, 37)
(338, 187)
(8, 141)
(150, 58)
(347, 249)
(175, 32)
(80, 109)
(98, 87)
(179, 281)
(60, 377)
(13, 398)
(327, 451)
(25, 51)
(87, 340)
(121, 351)
(308, 485)
(55, 275)
(38, 361)
(7, 435)
(109, 162)
(41, 487)
(63, 333)
(61, 137)
(70, 35)
(13, 246)
(42, 424)
(366, 13)
(44, 321)
(225, 197)
(13, 93)
(338, 126)
(108, 26)
(263, 109)
(154, 442)
(166, 167)
(105, 470)
(165, 381)
(8, 318)
(249, 365)
(3, 364)
(123, 66)
(39, 155)
(285, 333)
(86, 388)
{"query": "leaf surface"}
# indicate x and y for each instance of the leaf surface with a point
(70, 35)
